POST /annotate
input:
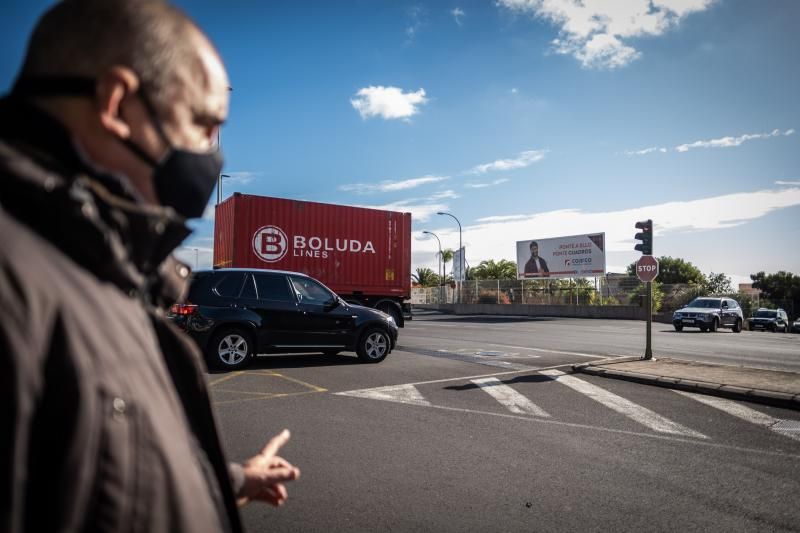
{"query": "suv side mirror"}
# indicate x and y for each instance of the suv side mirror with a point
(330, 305)
(724, 305)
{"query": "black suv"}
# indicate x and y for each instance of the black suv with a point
(233, 314)
(769, 320)
(709, 314)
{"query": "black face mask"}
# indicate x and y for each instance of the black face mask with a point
(184, 180)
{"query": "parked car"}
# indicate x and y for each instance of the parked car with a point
(709, 314)
(796, 325)
(234, 314)
(769, 320)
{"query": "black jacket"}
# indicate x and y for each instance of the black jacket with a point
(105, 418)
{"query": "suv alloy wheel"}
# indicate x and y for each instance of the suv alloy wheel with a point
(373, 346)
(230, 349)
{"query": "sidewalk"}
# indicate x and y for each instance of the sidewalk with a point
(772, 387)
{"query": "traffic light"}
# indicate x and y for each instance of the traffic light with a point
(646, 236)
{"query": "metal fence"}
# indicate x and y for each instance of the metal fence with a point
(616, 290)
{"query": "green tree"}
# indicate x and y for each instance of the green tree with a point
(782, 288)
(426, 277)
(718, 284)
(491, 269)
(674, 270)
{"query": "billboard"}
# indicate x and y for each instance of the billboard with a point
(458, 265)
(576, 256)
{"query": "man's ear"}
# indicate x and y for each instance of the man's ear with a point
(112, 87)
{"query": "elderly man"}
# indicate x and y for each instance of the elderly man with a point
(107, 146)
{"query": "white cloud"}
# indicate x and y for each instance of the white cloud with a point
(728, 142)
(209, 212)
(197, 257)
(420, 210)
(444, 195)
(514, 90)
(722, 142)
(475, 185)
(789, 183)
(524, 159)
(595, 31)
(388, 102)
(391, 186)
(416, 20)
(646, 151)
(494, 237)
(458, 14)
(242, 177)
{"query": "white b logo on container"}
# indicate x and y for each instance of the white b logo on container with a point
(270, 243)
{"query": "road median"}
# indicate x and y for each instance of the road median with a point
(772, 387)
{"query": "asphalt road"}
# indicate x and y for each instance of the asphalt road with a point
(470, 425)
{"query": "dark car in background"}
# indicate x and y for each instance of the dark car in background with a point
(769, 320)
(709, 314)
(234, 314)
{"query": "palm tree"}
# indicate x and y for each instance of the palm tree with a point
(426, 277)
(491, 269)
(447, 255)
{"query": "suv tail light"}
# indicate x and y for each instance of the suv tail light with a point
(182, 309)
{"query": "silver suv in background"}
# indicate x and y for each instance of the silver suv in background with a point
(709, 314)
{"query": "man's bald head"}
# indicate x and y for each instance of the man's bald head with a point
(131, 81)
(86, 37)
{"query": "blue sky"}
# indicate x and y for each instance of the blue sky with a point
(524, 118)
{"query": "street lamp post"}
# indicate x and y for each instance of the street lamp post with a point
(219, 147)
(219, 187)
(461, 251)
(440, 261)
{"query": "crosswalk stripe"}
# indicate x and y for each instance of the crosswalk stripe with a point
(509, 398)
(395, 393)
(787, 428)
(635, 412)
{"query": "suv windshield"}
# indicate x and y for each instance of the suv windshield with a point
(705, 302)
(766, 314)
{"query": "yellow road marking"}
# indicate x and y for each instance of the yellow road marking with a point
(226, 378)
(293, 380)
(267, 396)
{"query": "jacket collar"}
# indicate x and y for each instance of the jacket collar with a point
(96, 219)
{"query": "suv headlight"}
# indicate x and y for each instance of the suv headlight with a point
(676, 314)
(389, 319)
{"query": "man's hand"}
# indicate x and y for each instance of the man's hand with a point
(266, 473)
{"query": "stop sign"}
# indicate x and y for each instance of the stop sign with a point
(647, 268)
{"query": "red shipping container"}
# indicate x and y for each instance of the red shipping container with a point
(353, 250)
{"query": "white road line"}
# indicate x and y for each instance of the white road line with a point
(509, 398)
(396, 393)
(787, 428)
(515, 347)
(635, 412)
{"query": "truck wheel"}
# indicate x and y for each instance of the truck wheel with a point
(230, 349)
(392, 311)
(373, 346)
(737, 328)
(678, 327)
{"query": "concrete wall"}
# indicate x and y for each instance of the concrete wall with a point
(625, 312)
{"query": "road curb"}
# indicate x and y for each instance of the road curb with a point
(767, 397)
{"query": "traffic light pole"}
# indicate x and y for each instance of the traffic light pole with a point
(648, 351)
